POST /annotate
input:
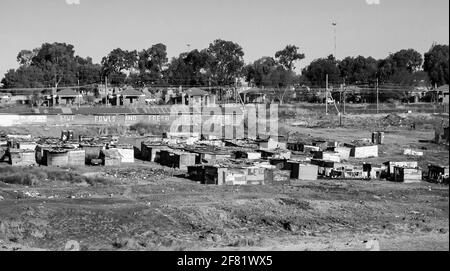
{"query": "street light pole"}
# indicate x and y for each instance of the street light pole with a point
(335, 38)
(377, 97)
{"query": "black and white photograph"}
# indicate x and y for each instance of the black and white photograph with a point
(250, 127)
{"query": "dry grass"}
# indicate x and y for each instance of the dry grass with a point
(34, 176)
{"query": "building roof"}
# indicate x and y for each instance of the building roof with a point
(131, 92)
(353, 89)
(67, 92)
(443, 88)
(196, 92)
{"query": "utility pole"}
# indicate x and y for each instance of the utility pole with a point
(335, 39)
(326, 95)
(78, 90)
(106, 89)
(377, 98)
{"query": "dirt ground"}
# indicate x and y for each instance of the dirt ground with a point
(145, 206)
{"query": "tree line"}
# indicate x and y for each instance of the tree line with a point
(221, 64)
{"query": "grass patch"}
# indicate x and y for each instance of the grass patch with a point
(33, 176)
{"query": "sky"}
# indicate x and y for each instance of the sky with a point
(262, 27)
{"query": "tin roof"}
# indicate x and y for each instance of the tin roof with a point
(196, 92)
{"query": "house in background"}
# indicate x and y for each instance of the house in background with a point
(68, 97)
(198, 97)
(443, 94)
(128, 96)
(20, 99)
(132, 96)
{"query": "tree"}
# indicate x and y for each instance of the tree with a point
(57, 60)
(318, 69)
(259, 71)
(25, 57)
(51, 65)
(408, 59)
(267, 72)
(190, 69)
(87, 71)
(24, 77)
(400, 67)
(358, 70)
(288, 56)
(152, 62)
(226, 61)
(118, 64)
(437, 64)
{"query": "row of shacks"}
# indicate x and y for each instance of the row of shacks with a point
(272, 161)
(23, 150)
(212, 161)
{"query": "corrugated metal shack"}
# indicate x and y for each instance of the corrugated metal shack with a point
(302, 171)
(40, 154)
(346, 171)
(247, 154)
(208, 155)
(76, 157)
(310, 149)
(343, 152)
(92, 151)
(303, 147)
(373, 172)
(328, 156)
(412, 152)
(295, 146)
(271, 144)
(126, 152)
(181, 137)
(150, 151)
(110, 157)
(361, 149)
(177, 159)
(276, 154)
(391, 164)
(56, 157)
(218, 175)
(438, 174)
(407, 175)
(322, 144)
(324, 167)
(19, 157)
(235, 172)
(24, 145)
